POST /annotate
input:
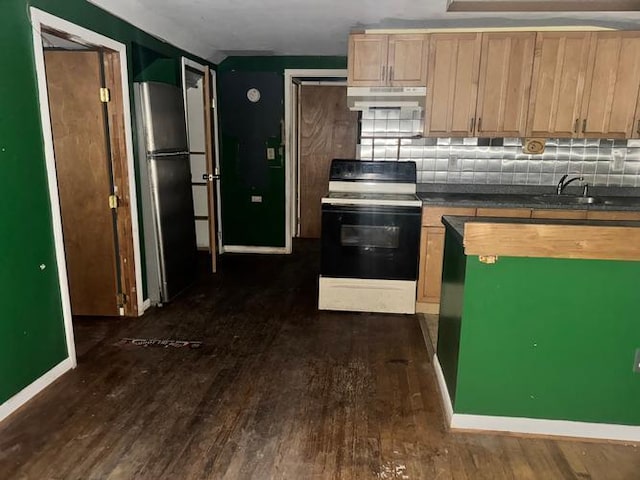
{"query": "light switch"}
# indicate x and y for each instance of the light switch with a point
(271, 153)
(256, 199)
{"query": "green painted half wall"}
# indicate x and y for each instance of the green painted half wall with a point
(542, 338)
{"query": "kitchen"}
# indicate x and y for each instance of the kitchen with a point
(458, 167)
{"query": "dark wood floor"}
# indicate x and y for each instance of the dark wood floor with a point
(277, 391)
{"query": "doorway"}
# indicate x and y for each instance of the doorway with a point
(319, 127)
(86, 122)
(199, 89)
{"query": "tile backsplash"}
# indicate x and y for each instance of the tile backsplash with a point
(386, 134)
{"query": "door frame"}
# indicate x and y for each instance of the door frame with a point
(185, 62)
(42, 20)
(292, 163)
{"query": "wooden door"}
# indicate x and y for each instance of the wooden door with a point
(407, 60)
(611, 90)
(84, 180)
(328, 130)
(452, 84)
(505, 79)
(557, 86)
(367, 61)
(209, 149)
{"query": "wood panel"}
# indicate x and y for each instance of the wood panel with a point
(328, 130)
(559, 214)
(431, 262)
(367, 60)
(504, 212)
(552, 241)
(207, 92)
(83, 169)
(505, 79)
(407, 60)
(611, 89)
(115, 119)
(452, 84)
(608, 215)
(557, 86)
(432, 216)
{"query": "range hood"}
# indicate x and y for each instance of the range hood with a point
(404, 98)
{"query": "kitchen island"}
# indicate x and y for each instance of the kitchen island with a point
(540, 326)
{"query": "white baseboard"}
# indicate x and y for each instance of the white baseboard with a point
(444, 391)
(535, 426)
(530, 426)
(31, 390)
(146, 305)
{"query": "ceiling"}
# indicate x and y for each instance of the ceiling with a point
(214, 29)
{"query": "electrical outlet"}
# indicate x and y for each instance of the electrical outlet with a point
(619, 156)
(454, 162)
(256, 198)
(636, 362)
(271, 153)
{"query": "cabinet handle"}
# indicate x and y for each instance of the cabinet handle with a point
(384, 77)
(584, 125)
(391, 73)
(575, 126)
(638, 130)
(472, 124)
(479, 124)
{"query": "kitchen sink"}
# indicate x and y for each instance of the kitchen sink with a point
(568, 199)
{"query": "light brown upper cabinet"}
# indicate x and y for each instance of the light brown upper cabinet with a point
(611, 89)
(452, 84)
(387, 60)
(505, 80)
(557, 86)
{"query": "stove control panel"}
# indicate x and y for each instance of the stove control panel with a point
(376, 171)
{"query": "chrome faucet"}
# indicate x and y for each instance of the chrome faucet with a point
(565, 181)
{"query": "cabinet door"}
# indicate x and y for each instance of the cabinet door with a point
(367, 62)
(611, 90)
(431, 258)
(452, 84)
(505, 79)
(407, 60)
(557, 85)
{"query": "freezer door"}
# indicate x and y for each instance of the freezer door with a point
(163, 117)
(173, 214)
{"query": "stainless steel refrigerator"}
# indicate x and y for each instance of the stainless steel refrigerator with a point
(166, 195)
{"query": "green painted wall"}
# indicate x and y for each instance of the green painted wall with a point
(31, 325)
(244, 222)
(549, 338)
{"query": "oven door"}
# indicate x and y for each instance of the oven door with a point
(376, 242)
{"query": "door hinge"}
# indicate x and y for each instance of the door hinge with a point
(113, 202)
(105, 95)
(122, 299)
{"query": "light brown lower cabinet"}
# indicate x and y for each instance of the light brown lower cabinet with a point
(559, 214)
(618, 216)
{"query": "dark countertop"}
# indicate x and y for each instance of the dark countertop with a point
(527, 197)
(456, 224)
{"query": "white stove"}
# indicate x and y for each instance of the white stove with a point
(370, 237)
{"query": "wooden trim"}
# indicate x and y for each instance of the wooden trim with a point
(115, 118)
(543, 6)
(559, 214)
(427, 307)
(432, 216)
(504, 212)
(211, 191)
(552, 241)
(608, 215)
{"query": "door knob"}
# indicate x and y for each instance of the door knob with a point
(210, 177)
